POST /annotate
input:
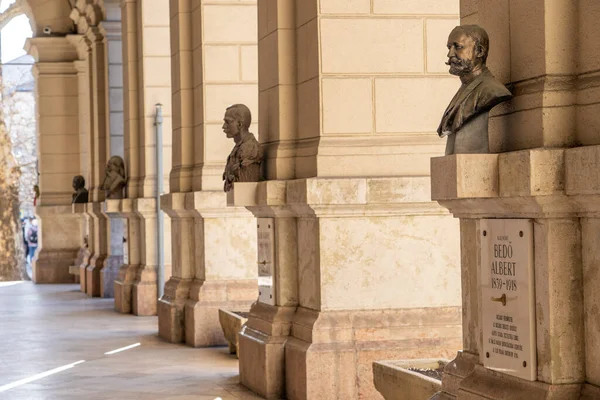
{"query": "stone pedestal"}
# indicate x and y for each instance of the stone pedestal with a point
(262, 349)
(215, 267)
(263, 338)
(375, 263)
(377, 281)
(57, 138)
(123, 285)
(83, 255)
(93, 273)
(171, 305)
(552, 187)
(114, 260)
(58, 244)
(144, 295)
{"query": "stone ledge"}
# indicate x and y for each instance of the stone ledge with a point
(337, 197)
(78, 208)
(582, 171)
(464, 176)
(112, 208)
(532, 173)
(534, 183)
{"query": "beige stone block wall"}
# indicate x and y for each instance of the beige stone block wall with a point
(57, 105)
(405, 253)
(114, 82)
(225, 72)
(378, 70)
(154, 86)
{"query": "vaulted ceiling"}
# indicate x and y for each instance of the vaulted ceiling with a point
(50, 13)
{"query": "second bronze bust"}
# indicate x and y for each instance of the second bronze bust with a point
(244, 161)
(465, 121)
(114, 179)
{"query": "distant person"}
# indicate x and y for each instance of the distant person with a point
(32, 239)
(24, 231)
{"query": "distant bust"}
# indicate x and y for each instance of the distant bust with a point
(243, 163)
(81, 193)
(465, 121)
(114, 178)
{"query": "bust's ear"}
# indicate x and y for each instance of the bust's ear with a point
(479, 51)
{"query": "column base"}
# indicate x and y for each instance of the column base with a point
(74, 269)
(52, 266)
(262, 349)
(171, 310)
(93, 276)
(144, 296)
(109, 274)
(330, 353)
(465, 379)
(202, 326)
(123, 288)
(486, 384)
(82, 270)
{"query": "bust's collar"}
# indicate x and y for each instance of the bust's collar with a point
(484, 72)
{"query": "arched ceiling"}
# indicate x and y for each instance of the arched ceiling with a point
(50, 13)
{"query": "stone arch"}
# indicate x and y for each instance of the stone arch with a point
(50, 13)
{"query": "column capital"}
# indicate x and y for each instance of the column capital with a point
(81, 44)
(111, 30)
(51, 49)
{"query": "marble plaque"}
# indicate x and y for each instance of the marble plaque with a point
(266, 252)
(507, 297)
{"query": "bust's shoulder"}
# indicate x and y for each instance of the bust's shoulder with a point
(250, 142)
(490, 87)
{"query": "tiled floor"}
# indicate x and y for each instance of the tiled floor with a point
(44, 327)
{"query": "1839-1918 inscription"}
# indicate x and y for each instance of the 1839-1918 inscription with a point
(507, 297)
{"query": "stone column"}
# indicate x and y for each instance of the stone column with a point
(82, 66)
(348, 129)
(537, 176)
(211, 71)
(114, 261)
(58, 155)
(111, 32)
(123, 286)
(100, 150)
(147, 82)
(263, 338)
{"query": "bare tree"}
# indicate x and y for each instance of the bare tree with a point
(13, 168)
(12, 257)
(14, 10)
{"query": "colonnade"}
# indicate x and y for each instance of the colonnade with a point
(357, 263)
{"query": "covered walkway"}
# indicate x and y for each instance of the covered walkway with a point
(46, 327)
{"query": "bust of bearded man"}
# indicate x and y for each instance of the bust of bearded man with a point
(465, 121)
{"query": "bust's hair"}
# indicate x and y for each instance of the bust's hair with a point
(479, 36)
(119, 164)
(241, 113)
(79, 181)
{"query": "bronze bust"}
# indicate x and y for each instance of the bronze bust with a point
(81, 193)
(114, 179)
(465, 121)
(243, 163)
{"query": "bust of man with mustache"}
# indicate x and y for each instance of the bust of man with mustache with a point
(114, 178)
(465, 121)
